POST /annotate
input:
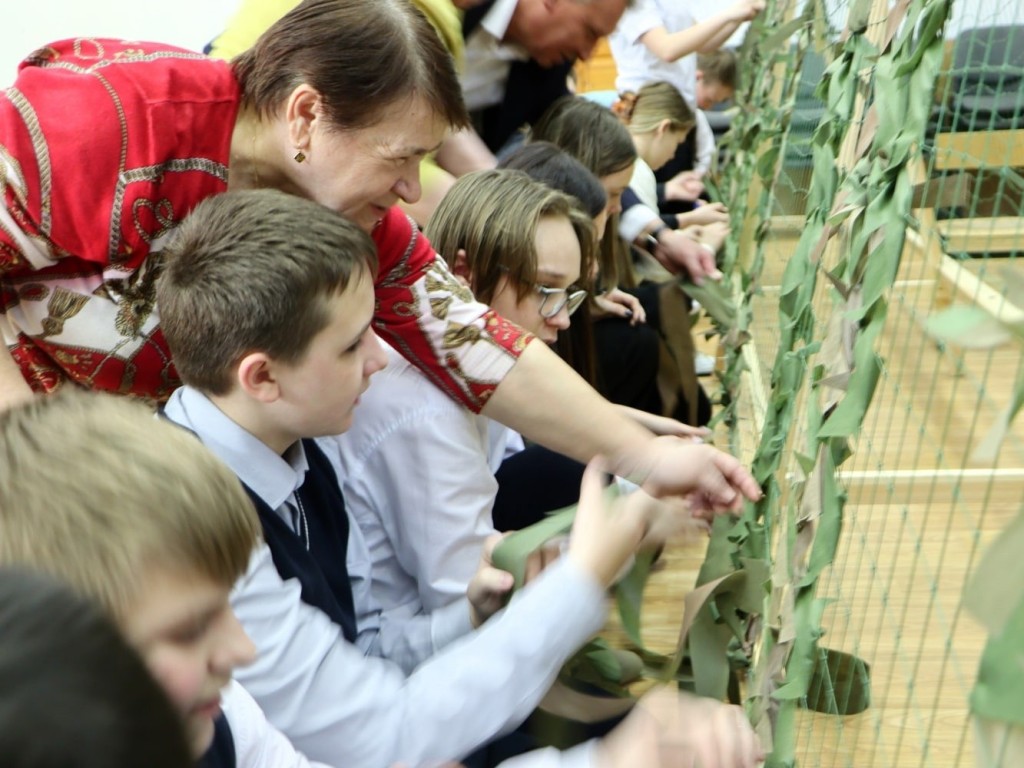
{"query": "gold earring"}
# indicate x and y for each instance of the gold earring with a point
(300, 156)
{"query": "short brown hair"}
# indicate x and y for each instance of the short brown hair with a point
(252, 271)
(718, 67)
(360, 55)
(493, 216)
(96, 490)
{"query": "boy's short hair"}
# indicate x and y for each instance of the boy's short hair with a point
(72, 691)
(718, 66)
(96, 491)
(252, 271)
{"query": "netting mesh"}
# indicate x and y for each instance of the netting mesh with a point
(874, 174)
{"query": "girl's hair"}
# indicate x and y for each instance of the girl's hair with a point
(361, 56)
(493, 216)
(644, 110)
(599, 140)
(543, 161)
(588, 132)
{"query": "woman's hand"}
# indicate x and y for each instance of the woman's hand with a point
(662, 425)
(616, 303)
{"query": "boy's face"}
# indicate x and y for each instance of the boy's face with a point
(319, 393)
(558, 266)
(191, 641)
(711, 92)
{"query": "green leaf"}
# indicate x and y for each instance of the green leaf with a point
(969, 327)
(629, 595)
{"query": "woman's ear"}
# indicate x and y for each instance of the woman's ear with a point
(663, 127)
(255, 376)
(302, 111)
(461, 267)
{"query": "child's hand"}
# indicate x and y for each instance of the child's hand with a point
(678, 252)
(746, 10)
(708, 213)
(604, 537)
(679, 730)
(489, 588)
(620, 304)
(686, 185)
(714, 482)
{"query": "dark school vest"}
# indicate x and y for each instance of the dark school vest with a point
(221, 753)
(321, 570)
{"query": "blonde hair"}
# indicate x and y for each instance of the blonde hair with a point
(655, 102)
(492, 216)
(96, 490)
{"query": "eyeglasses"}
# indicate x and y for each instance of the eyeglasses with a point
(553, 300)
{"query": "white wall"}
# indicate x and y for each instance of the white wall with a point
(27, 24)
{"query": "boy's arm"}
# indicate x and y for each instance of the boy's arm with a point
(257, 743)
(703, 37)
(343, 708)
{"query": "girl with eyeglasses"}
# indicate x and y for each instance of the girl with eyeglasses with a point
(417, 469)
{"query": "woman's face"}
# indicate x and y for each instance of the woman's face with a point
(361, 173)
(614, 185)
(558, 267)
(664, 145)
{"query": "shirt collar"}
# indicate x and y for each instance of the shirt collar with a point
(271, 477)
(497, 19)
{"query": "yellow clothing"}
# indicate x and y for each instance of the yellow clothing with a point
(254, 17)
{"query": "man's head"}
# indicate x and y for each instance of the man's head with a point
(716, 77)
(135, 513)
(556, 31)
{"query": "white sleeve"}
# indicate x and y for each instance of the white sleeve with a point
(258, 744)
(637, 20)
(344, 708)
(634, 220)
(581, 756)
(705, 143)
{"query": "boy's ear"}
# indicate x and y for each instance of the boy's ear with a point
(302, 110)
(256, 377)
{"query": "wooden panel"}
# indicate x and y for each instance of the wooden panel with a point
(979, 149)
(998, 234)
(598, 72)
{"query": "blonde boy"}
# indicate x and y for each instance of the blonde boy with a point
(135, 513)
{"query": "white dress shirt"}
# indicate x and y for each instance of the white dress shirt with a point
(488, 60)
(344, 708)
(258, 744)
(417, 473)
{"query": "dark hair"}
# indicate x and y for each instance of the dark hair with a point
(73, 693)
(360, 55)
(588, 132)
(252, 271)
(544, 162)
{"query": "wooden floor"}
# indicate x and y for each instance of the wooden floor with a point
(920, 513)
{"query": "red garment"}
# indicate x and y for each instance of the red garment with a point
(105, 146)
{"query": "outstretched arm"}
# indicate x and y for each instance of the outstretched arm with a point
(704, 37)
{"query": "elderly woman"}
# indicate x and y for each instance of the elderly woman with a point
(105, 145)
